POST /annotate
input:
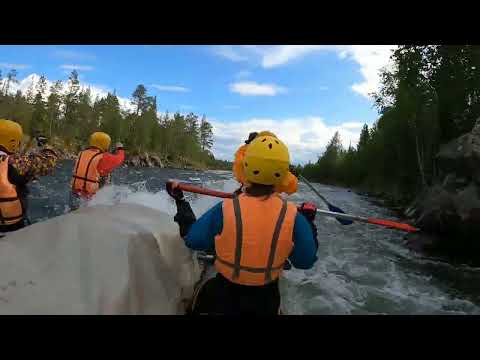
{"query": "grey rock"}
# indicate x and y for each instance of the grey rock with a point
(450, 210)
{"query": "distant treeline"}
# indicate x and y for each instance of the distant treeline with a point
(70, 114)
(429, 97)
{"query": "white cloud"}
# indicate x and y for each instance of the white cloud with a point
(14, 66)
(95, 90)
(251, 88)
(370, 58)
(282, 54)
(170, 88)
(352, 125)
(71, 67)
(73, 55)
(229, 53)
(306, 137)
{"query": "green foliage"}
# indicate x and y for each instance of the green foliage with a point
(72, 115)
(430, 97)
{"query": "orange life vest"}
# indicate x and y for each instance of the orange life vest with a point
(256, 239)
(86, 178)
(11, 211)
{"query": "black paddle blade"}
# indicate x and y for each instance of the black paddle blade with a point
(333, 208)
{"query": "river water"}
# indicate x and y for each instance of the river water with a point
(362, 269)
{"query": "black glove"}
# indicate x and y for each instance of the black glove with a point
(251, 136)
(175, 193)
(41, 140)
(29, 176)
(184, 217)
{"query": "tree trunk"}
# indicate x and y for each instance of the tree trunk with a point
(419, 159)
(417, 148)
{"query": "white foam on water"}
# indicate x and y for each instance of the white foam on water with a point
(361, 269)
(137, 194)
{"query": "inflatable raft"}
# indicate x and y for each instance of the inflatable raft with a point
(122, 259)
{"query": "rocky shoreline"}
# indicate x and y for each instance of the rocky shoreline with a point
(448, 211)
(142, 160)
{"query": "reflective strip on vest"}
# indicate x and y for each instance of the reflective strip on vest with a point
(84, 177)
(236, 266)
(11, 211)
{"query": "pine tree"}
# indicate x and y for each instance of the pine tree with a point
(54, 103)
(40, 115)
(71, 100)
(71, 116)
(30, 94)
(206, 134)
(139, 99)
(11, 79)
(110, 117)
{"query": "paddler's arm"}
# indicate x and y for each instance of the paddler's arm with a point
(110, 162)
(20, 182)
(15, 178)
(201, 235)
(305, 245)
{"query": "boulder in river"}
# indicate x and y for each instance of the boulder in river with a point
(450, 209)
(156, 161)
(134, 161)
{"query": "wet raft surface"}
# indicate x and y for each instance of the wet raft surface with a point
(97, 260)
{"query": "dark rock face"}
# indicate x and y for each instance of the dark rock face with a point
(144, 160)
(450, 210)
(459, 160)
(133, 161)
(156, 161)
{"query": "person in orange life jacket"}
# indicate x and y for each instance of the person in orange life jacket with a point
(93, 165)
(288, 185)
(17, 171)
(252, 235)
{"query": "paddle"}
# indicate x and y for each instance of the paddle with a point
(331, 207)
(374, 221)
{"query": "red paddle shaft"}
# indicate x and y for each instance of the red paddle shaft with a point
(374, 221)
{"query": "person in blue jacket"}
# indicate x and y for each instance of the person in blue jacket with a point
(254, 236)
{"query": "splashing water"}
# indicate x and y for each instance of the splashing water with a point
(362, 269)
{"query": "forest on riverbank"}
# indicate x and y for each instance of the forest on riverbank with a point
(430, 96)
(67, 114)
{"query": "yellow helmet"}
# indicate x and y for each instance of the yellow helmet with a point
(266, 133)
(100, 140)
(266, 161)
(11, 134)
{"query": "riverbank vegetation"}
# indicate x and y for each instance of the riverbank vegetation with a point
(67, 114)
(429, 97)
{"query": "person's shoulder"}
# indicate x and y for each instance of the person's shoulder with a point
(219, 205)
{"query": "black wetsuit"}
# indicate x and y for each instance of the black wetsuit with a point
(223, 297)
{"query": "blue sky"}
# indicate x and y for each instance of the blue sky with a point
(303, 93)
